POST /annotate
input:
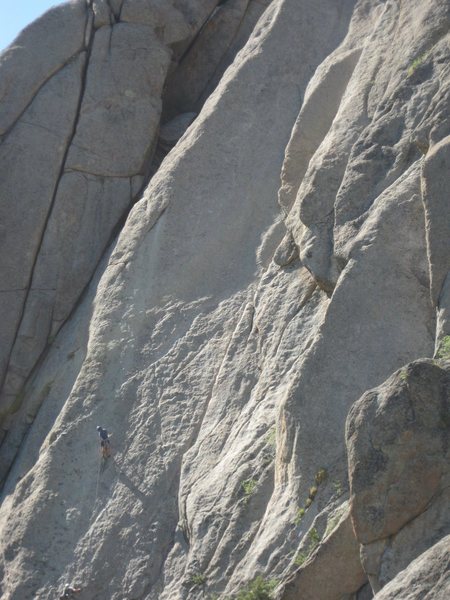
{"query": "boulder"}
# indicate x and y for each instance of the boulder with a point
(398, 445)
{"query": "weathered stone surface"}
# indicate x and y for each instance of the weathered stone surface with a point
(121, 106)
(31, 156)
(396, 439)
(54, 38)
(398, 444)
(385, 133)
(87, 209)
(102, 13)
(163, 17)
(426, 578)
(334, 570)
(443, 321)
(225, 376)
(196, 309)
(323, 97)
(105, 154)
(255, 9)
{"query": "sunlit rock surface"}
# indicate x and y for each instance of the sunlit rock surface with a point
(223, 223)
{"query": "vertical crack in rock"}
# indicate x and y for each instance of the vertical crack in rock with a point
(87, 52)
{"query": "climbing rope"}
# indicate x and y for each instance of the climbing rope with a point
(98, 477)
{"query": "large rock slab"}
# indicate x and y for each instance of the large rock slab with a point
(85, 186)
(398, 445)
(184, 298)
(381, 127)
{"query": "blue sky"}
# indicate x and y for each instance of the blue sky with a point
(17, 14)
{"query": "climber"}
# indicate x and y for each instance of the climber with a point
(105, 444)
(69, 591)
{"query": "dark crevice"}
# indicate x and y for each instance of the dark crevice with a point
(197, 35)
(119, 16)
(101, 175)
(177, 104)
(111, 12)
(219, 64)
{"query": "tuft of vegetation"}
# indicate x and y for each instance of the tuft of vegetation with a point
(258, 589)
(444, 348)
(312, 492)
(271, 437)
(314, 539)
(416, 63)
(299, 516)
(197, 580)
(338, 489)
(300, 558)
(270, 440)
(249, 487)
(321, 476)
(333, 522)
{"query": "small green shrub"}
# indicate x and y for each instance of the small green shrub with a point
(271, 437)
(258, 589)
(321, 476)
(300, 558)
(444, 348)
(416, 63)
(312, 492)
(299, 516)
(197, 580)
(338, 489)
(249, 487)
(314, 539)
(334, 520)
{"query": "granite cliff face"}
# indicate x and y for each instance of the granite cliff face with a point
(225, 238)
